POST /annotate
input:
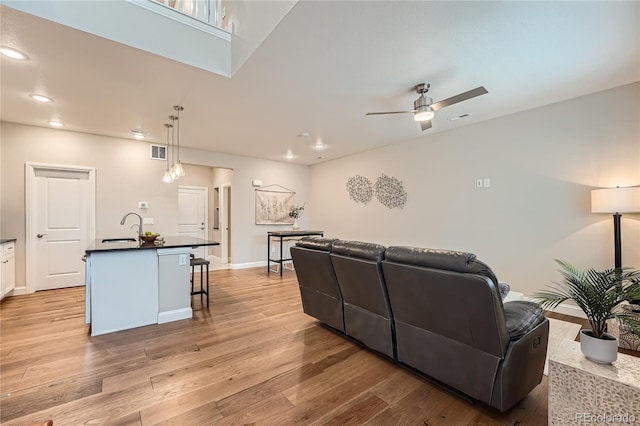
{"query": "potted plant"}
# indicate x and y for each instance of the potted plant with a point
(598, 294)
(295, 213)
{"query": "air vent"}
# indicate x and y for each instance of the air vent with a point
(460, 117)
(158, 152)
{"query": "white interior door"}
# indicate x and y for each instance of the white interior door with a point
(61, 218)
(192, 214)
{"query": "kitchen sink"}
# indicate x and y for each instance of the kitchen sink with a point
(119, 240)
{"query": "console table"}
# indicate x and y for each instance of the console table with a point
(584, 392)
(282, 235)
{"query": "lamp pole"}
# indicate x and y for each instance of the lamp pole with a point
(617, 240)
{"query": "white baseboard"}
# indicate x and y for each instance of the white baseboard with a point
(18, 291)
(175, 315)
(566, 309)
(248, 265)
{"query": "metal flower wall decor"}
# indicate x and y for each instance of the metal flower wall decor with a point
(390, 192)
(387, 189)
(360, 189)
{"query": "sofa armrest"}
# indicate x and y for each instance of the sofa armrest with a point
(522, 317)
(521, 370)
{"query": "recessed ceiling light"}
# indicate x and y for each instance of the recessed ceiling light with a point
(319, 145)
(289, 155)
(138, 134)
(303, 135)
(13, 53)
(40, 98)
(56, 123)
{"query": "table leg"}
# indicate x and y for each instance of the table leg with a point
(268, 254)
(281, 263)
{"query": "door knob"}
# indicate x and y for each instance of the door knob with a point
(40, 235)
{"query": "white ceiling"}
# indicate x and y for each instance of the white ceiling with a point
(322, 68)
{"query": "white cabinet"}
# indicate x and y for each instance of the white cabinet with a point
(8, 267)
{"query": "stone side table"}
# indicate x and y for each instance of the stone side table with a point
(584, 392)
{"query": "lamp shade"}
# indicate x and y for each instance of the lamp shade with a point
(615, 200)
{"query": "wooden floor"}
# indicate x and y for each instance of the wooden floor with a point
(253, 357)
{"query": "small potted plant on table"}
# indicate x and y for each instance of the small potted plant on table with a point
(598, 294)
(295, 213)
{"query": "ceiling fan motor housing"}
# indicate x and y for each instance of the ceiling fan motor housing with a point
(422, 108)
(422, 102)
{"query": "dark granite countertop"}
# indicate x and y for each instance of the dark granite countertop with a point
(169, 242)
(6, 240)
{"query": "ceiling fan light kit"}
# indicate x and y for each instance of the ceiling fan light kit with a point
(424, 108)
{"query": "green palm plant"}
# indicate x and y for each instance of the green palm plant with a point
(597, 293)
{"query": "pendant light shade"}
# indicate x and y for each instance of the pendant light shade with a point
(176, 170)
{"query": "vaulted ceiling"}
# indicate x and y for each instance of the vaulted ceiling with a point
(322, 68)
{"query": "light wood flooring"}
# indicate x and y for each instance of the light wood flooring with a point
(253, 357)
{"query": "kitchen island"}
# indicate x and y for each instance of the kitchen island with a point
(130, 284)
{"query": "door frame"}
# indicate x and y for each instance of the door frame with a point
(30, 176)
(225, 254)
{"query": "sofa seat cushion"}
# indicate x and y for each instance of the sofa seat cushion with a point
(522, 317)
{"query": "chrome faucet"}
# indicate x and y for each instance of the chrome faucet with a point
(139, 226)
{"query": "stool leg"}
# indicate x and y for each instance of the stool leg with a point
(201, 278)
(207, 285)
(193, 271)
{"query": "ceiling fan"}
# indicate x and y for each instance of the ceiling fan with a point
(424, 108)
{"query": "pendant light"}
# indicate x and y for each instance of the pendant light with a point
(172, 169)
(179, 170)
(166, 178)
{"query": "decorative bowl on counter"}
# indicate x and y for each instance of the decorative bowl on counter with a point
(149, 238)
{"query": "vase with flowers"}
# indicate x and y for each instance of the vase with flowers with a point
(295, 213)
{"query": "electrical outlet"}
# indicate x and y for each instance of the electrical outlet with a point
(487, 182)
(479, 183)
(182, 259)
(147, 221)
(273, 249)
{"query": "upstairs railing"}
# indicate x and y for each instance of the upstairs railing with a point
(207, 11)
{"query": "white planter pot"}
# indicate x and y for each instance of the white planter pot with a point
(602, 351)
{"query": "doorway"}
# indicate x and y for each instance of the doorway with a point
(193, 206)
(60, 224)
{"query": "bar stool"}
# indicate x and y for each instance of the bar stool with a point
(198, 261)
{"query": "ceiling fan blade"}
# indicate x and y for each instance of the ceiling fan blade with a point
(389, 112)
(425, 125)
(459, 98)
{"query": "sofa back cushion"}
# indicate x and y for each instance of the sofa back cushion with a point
(449, 293)
(367, 313)
(321, 297)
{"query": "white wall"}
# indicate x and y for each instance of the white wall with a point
(542, 164)
(249, 241)
(126, 175)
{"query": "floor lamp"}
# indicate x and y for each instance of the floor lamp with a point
(617, 201)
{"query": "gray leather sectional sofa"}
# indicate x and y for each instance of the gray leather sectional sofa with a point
(436, 312)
